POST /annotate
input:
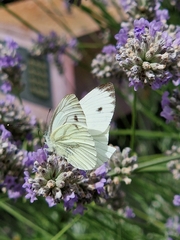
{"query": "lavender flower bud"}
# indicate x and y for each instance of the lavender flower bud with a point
(122, 164)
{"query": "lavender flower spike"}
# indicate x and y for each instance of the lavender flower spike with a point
(150, 56)
(58, 181)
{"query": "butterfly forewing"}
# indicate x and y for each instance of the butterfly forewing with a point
(68, 111)
(75, 144)
(98, 107)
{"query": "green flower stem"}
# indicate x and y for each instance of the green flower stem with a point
(149, 219)
(66, 228)
(27, 24)
(157, 169)
(156, 161)
(146, 112)
(133, 125)
(24, 220)
(146, 134)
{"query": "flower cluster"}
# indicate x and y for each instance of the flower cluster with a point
(58, 181)
(150, 55)
(122, 165)
(173, 228)
(105, 64)
(17, 119)
(149, 9)
(171, 107)
(12, 163)
(11, 67)
(56, 46)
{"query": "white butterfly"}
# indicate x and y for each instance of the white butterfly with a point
(79, 130)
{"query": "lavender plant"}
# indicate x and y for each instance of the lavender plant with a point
(11, 68)
(125, 198)
(56, 46)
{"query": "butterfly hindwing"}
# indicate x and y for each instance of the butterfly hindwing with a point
(104, 152)
(98, 107)
(75, 144)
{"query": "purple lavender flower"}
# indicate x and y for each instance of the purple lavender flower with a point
(79, 209)
(11, 164)
(150, 56)
(167, 114)
(102, 170)
(162, 15)
(11, 44)
(70, 200)
(155, 27)
(73, 43)
(170, 107)
(139, 27)
(129, 212)
(56, 180)
(40, 38)
(122, 36)
(13, 186)
(176, 200)
(137, 9)
(56, 46)
(167, 111)
(6, 87)
(50, 201)
(28, 187)
(99, 186)
(109, 49)
(5, 134)
(11, 67)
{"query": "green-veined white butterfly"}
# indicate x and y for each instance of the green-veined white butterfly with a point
(79, 130)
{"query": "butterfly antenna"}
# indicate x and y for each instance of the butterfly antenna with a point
(44, 128)
(47, 118)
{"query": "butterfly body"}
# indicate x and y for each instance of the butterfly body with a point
(79, 130)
